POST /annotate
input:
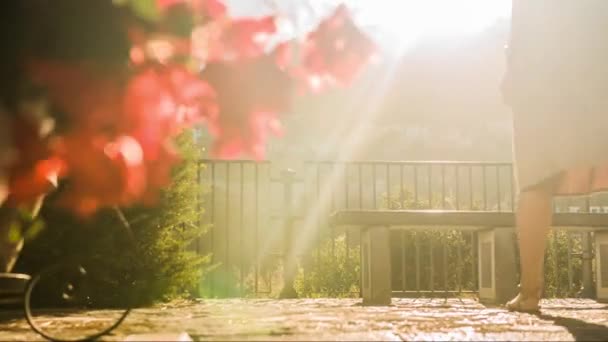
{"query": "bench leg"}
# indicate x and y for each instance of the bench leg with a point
(497, 275)
(601, 254)
(376, 266)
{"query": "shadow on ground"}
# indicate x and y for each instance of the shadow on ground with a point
(579, 329)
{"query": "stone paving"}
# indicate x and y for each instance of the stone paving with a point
(342, 319)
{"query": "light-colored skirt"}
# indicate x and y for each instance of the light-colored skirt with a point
(557, 86)
(561, 144)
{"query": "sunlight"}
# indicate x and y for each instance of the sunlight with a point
(406, 21)
(350, 145)
(402, 23)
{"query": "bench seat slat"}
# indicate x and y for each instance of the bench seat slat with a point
(456, 218)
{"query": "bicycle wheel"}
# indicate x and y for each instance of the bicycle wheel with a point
(78, 300)
(60, 305)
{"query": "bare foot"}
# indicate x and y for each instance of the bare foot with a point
(523, 303)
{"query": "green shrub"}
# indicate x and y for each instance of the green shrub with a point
(161, 265)
(556, 266)
(331, 271)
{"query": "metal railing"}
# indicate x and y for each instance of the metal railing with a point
(264, 218)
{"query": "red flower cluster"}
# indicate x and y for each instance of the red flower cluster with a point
(117, 149)
(235, 40)
(336, 52)
(253, 87)
(35, 170)
(250, 95)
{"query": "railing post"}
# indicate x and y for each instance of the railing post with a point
(289, 258)
(601, 263)
(376, 266)
(497, 278)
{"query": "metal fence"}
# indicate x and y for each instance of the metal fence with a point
(268, 224)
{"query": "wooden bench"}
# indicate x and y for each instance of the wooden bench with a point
(497, 275)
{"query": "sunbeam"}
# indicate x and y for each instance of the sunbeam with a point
(402, 24)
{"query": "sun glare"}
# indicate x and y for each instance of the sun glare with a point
(404, 22)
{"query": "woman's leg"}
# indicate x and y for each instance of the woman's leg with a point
(534, 215)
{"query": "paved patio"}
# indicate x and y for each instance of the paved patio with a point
(344, 319)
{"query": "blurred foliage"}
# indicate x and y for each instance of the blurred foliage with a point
(556, 265)
(161, 265)
(332, 270)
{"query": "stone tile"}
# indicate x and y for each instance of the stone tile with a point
(343, 319)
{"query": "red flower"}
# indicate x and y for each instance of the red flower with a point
(170, 37)
(153, 104)
(36, 169)
(212, 8)
(117, 150)
(107, 173)
(336, 51)
(238, 39)
(250, 94)
(158, 173)
(160, 101)
(103, 172)
(248, 138)
(90, 98)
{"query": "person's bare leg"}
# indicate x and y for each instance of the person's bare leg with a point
(533, 223)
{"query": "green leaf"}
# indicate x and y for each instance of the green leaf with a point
(145, 9)
(179, 21)
(34, 230)
(26, 214)
(14, 232)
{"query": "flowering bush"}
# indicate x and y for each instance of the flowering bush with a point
(162, 264)
(96, 90)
